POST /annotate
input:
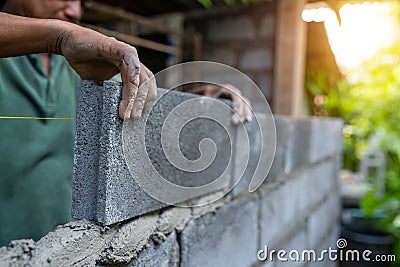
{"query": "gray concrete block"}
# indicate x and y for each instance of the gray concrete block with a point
(282, 125)
(280, 137)
(315, 183)
(298, 242)
(84, 198)
(226, 56)
(256, 58)
(231, 28)
(326, 138)
(267, 27)
(297, 153)
(318, 182)
(225, 238)
(308, 192)
(99, 162)
(165, 254)
(265, 263)
(260, 132)
(323, 220)
(268, 219)
(294, 199)
(100, 165)
(271, 216)
(280, 209)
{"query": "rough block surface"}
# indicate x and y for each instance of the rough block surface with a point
(282, 125)
(297, 152)
(104, 189)
(260, 132)
(215, 239)
(326, 138)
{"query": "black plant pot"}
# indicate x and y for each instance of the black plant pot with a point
(361, 235)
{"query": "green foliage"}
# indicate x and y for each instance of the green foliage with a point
(368, 100)
(206, 3)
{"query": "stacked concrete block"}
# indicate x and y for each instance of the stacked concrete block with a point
(271, 214)
(298, 210)
(227, 237)
(275, 138)
(282, 125)
(104, 188)
(255, 58)
(326, 138)
(100, 173)
(306, 202)
(242, 38)
(298, 147)
(267, 27)
(317, 183)
(231, 28)
(261, 134)
(280, 209)
(324, 219)
(324, 178)
(224, 55)
(299, 242)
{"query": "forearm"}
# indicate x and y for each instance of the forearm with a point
(20, 35)
(92, 55)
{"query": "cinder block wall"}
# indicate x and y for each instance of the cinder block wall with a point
(242, 37)
(297, 207)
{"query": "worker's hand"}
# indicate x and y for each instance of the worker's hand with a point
(97, 57)
(240, 104)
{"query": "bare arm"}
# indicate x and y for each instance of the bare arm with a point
(92, 55)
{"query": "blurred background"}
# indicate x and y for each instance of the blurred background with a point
(329, 58)
(332, 58)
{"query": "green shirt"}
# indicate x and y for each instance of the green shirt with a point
(36, 156)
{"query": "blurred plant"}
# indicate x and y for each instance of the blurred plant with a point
(368, 100)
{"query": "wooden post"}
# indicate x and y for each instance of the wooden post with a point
(290, 54)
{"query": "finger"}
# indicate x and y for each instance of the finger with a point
(232, 91)
(237, 106)
(129, 67)
(141, 96)
(237, 103)
(129, 89)
(152, 93)
(248, 115)
(235, 119)
(132, 62)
